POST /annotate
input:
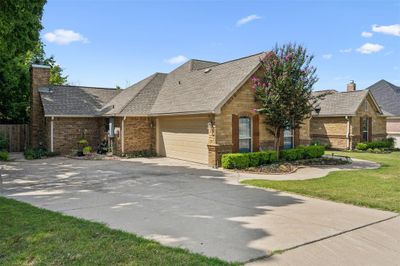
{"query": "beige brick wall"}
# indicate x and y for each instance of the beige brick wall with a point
(68, 131)
(393, 125)
(332, 130)
(378, 122)
(243, 103)
(140, 134)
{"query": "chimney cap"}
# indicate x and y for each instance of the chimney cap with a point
(39, 66)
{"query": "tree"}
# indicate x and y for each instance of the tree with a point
(20, 24)
(38, 56)
(284, 89)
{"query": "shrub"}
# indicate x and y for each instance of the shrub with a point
(312, 152)
(254, 159)
(292, 154)
(379, 144)
(87, 150)
(4, 156)
(235, 160)
(3, 142)
(362, 146)
(37, 153)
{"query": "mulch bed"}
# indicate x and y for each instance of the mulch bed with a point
(291, 167)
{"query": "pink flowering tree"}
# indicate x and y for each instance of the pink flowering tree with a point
(284, 89)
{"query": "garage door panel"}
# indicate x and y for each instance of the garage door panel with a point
(184, 139)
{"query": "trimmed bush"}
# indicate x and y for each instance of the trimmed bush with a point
(4, 156)
(379, 144)
(235, 160)
(362, 146)
(312, 152)
(254, 159)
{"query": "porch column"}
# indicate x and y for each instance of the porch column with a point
(52, 134)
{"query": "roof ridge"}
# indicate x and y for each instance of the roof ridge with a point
(147, 83)
(230, 61)
(82, 87)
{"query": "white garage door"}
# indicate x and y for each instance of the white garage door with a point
(183, 138)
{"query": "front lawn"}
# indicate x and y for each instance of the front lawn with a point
(33, 236)
(377, 188)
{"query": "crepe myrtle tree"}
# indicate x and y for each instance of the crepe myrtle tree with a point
(284, 89)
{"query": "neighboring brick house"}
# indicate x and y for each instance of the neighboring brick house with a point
(347, 118)
(387, 96)
(196, 112)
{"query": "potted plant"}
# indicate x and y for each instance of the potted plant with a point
(82, 143)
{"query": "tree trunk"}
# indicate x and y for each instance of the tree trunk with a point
(277, 141)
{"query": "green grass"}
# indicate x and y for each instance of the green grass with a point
(375, 188)
(33, 236)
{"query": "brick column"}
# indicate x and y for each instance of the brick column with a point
(40, 76)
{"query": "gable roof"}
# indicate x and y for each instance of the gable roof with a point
(341, 103)
(388, 97)
(203, 90)
(197, 86)
(75, 100)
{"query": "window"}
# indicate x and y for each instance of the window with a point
(288, 138)
(365, 129)
(366, 106)
(244, 134)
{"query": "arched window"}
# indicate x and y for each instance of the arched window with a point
(244, 134)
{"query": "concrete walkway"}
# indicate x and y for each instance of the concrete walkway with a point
(309, 172)
(185, 205)
(377, 244)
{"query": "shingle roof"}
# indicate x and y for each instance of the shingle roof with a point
(340, 103)
(387, 96)
(203, 90)
(195, 87)
(75, 100)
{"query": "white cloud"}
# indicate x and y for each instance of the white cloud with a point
(176, 60)
(369, 48)
(366, 34)
(390, 29)
(246, 20)
(327, 56)
(347, 50)
(61, 36)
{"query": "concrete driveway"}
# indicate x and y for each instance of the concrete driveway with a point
(181, 204)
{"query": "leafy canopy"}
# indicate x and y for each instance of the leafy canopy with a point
(20, 24)
(284, 89)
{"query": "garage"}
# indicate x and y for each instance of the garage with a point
(183, 138)
(396, 140)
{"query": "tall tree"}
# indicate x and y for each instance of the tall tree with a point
(20, 24)
(284, 89)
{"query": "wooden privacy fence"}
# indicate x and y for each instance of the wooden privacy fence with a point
(17, 136)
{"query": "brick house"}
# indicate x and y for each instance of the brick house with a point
(196, 112)
(347, 118)
(387, 96)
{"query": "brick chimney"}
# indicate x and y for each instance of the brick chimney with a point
(40, 77)
(351, 86)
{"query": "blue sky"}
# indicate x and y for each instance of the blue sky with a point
(107, 43)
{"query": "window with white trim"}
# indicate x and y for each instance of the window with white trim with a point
(288, 138)
(244, 134)
(365, 129)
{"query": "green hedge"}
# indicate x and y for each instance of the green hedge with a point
(380, 144)
(245, 160)
(4, 156)
(254, 159)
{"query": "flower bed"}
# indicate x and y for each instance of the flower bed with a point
(254, 159)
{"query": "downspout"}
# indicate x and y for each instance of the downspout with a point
(52, 134)
(348, 133)
(123, 135)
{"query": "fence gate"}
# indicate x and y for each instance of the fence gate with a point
(17, 136)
